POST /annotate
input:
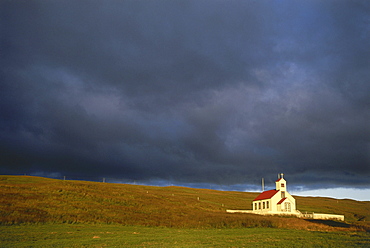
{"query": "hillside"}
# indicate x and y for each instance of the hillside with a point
(26, 199)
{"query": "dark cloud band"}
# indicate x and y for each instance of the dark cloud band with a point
(188, 91)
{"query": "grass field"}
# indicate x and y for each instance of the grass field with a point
(42, 212)
(85, 235)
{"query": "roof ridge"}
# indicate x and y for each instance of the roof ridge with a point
(266, 194)
(282, 200)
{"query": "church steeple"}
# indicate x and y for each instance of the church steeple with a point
(280, 183)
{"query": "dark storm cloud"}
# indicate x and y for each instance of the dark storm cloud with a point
(220, 92)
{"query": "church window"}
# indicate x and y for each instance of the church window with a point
(267, 204)
(264, 205)
(287, 207)
(282, 194)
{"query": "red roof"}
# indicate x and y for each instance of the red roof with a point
(266, 195)
(278, 180)
(281, 201)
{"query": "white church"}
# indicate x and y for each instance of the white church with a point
(279, 202)
(275, 201)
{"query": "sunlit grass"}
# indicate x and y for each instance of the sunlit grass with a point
(27, 199)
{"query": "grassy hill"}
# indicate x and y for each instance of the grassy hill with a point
(26, 199)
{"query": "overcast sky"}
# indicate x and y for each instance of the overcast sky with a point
(187, 92)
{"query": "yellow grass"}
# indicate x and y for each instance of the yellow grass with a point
(26, 199)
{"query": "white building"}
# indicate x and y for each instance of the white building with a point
(275, 201)
(279, 202)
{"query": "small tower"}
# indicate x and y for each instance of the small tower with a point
(281, 183)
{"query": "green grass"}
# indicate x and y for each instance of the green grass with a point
(92, 235)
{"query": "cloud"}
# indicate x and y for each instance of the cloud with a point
(192, 92)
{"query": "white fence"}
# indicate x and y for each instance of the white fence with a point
(315, 216)
(318, 216)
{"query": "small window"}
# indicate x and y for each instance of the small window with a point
(255, 206)
(259, 205)
(267, 205)
(264, 205)
(282, 194)
(282, 185)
